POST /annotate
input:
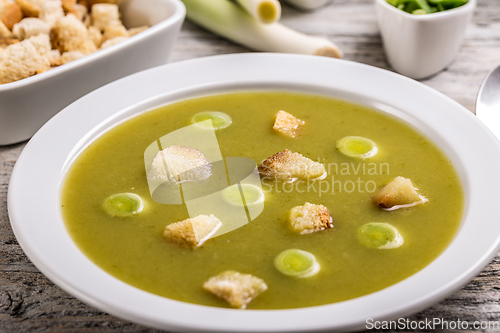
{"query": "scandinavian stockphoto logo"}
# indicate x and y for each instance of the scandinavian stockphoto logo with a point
(186, 167)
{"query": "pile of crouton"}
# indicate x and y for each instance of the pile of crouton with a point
(37, 35)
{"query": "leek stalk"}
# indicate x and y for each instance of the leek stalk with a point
(266, 11)
(230, 21)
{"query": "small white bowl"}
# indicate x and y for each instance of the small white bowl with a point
(308, 4)
(27, 104)
(419, 46)
(34, 189)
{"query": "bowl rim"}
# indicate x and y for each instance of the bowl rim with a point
(469, 6)
(177, 15)
(51, 249)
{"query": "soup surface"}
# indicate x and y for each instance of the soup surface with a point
(133, 249)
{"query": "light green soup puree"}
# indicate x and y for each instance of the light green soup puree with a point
(134, 250)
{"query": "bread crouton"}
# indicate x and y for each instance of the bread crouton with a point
(114, 2)
(114, 31)
(192, 232)
(236, 288)
(70, 34)
(286, 165)
(69, 6)
(41, 43)
(287, 124)
(30, 26)
(135, 31)
(54, 57)
(5, 42)
(4, 31)
(10, 13)
(80, 11)
(20, 61)
(83, 14)
(180, 164)
(96, 36)
(51, 12)
(111, 42)
(399, 193)
(67, 57)
(310, 218)
(103, 15)
(30, 8)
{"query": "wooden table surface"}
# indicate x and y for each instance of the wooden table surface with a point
(29, 302)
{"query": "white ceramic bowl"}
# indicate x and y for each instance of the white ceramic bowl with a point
(308, 4)
(27, 104)
(34, 190)
(419, 46)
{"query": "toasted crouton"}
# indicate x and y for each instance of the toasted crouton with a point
(96, 36)
(135, 31)
(54, 57)
(286, 165)
(69, 6)
(51, 12)
(70, 34)
(310, 218)
(5, 42)
(4, 31)
(287, 124)
(399, 193)
(81, 12)
(10, 13)
(71, 56)
(114, 31)
(30, 26)
(20, 61)
(236, 288)
(111, 42)
(192, 232)
(103, 15)
(30, 8)
(41, 43)
(180, 164)
(114, 2)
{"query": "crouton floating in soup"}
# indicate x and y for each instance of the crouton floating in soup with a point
(180, 163)
(399, 193)
(192, 232)
(236, 288)
(310, 218)
(287, 124)
(286, 165)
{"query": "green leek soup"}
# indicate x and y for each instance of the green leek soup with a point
(134, 250)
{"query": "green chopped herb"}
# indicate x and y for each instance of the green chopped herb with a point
(422, 7)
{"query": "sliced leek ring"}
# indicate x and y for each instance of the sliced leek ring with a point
(297, 263)
(357, 146)
(377, 235)
(251, 193)
(123, 204)
(219, 120)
